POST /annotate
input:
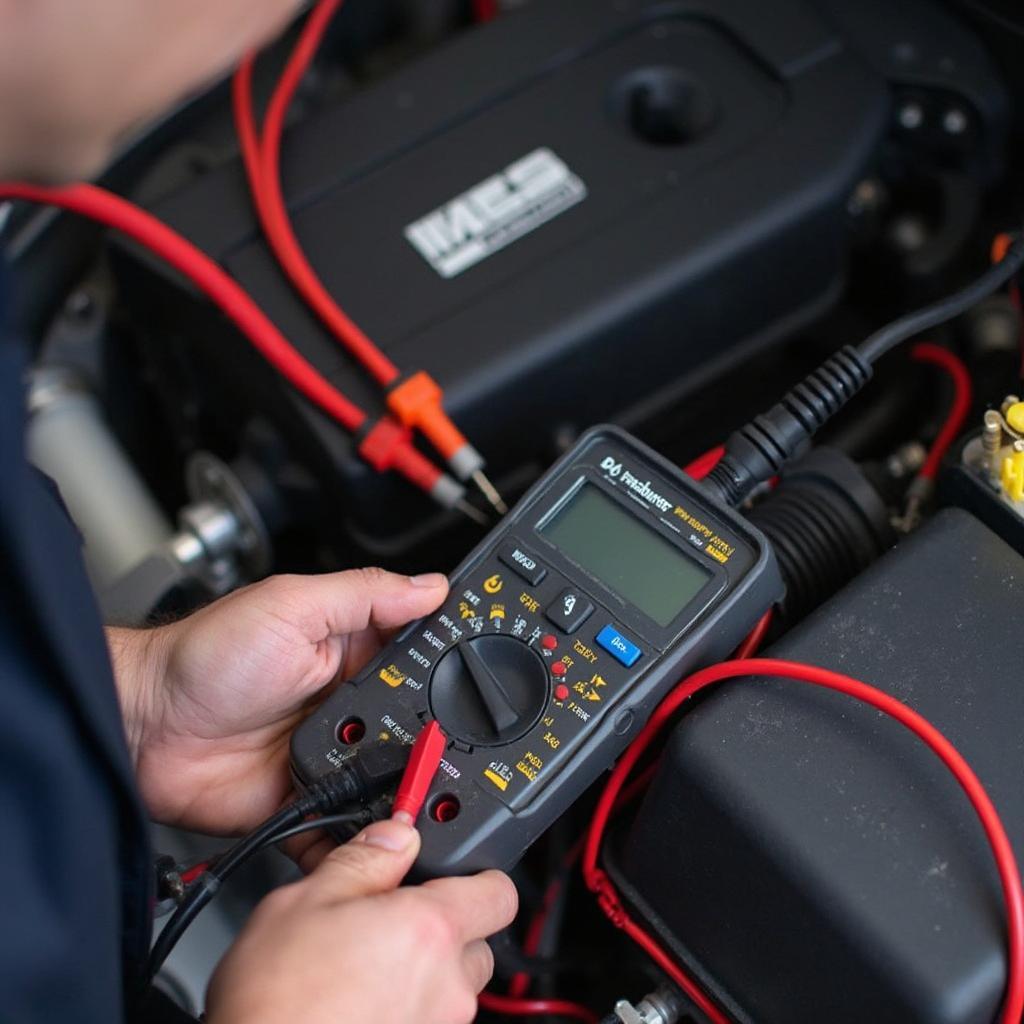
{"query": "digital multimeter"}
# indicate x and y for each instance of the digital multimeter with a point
(611, 579)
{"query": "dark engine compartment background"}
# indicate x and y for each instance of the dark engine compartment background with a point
(717, 223)
(756, 184)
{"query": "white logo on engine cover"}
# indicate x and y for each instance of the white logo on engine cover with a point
(493, 214)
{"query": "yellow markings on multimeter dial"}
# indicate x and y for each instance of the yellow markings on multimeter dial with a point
(530, 765)
(392, 675)
(591, 690)
(499, 773)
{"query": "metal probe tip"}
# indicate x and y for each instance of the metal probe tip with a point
(471, 512)
(490, 492)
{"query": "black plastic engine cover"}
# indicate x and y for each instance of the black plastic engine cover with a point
(709, 149)
(812, 860)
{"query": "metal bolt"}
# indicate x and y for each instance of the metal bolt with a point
(659, 1007)
(992, 443)
(906, 460)
(993, 436)
(908, 233)
(954, 121)
(866, 197)
(911, 116)
(995, 325)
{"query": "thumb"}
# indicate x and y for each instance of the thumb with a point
(348, 602)
(375, 861)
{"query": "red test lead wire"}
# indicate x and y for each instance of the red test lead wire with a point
(1009, 875)
(415, 401)
(383, 445)
(424, 761)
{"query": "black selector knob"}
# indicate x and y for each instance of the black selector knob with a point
(489, 690)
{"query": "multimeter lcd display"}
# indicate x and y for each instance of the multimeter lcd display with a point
(625, 555)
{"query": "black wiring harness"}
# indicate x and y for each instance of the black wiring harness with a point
(758, 451)
(351, 786)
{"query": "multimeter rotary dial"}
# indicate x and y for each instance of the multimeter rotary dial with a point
(489, 690)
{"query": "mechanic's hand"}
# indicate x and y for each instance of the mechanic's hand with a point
(210, 702)
(342, 945)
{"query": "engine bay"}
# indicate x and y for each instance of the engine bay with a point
(488, 228)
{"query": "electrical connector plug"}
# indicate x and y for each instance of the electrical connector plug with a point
(1012, 474)
(757, 452)
(361, 780)
(416, 402)
(1015, 417)
(387, 445)
(424, 761)
(374, 768)
(170, 888)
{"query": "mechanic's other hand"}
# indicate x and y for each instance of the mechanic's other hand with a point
(211, 701)
(345, 945)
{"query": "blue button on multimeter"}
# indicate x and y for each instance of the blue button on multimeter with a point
(618, 646)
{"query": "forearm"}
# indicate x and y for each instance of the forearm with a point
(139, 659)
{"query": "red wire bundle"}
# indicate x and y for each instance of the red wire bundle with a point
(415, 402)
(262, 164)
(117, 213)
(234, 302)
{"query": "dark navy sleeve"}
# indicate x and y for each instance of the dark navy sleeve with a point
(60, 949)
(74, 861)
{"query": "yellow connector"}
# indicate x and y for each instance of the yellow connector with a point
(1013, 476)
(1015, 417)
